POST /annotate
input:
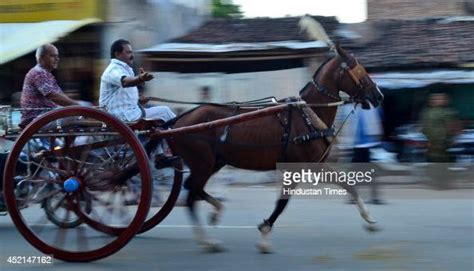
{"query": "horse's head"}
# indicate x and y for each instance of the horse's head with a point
(353, 79)
(342, 73)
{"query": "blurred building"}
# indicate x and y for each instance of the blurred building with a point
(244, 59)
(411, 58)
(83, 31)
(417, 9)
(237, 60)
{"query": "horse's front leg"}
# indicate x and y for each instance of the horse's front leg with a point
(364, 213)
(264, 245)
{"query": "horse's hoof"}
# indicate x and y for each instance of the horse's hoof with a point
(367, 217)
(213, 247)
(214, 218)
(264, 248)
(265, 227)
(372, 227)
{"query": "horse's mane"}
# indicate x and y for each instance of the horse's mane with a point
(322, 65)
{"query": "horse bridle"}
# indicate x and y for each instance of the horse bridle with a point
(358, 74)
(320, 88)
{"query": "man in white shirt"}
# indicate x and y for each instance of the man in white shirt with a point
(119, 92)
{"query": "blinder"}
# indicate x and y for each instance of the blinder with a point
(357, 73)
(359, 77)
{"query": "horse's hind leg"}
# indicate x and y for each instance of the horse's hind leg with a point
(191, 204)
(218, 207)
(195, 185)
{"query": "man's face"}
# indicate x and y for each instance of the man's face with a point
(126, 55)
(438, 100)
(50, 59)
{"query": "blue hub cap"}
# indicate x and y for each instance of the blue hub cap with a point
(71, 184)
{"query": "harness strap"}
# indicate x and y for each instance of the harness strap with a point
(335, 136)
(314, 133)
(323, 90)
(285, 138)
(330, 132)
(225, 134)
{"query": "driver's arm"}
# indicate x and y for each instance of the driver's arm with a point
(61, 99)
(140, 79)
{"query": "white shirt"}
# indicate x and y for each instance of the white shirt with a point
(122, 102)
(363, 129)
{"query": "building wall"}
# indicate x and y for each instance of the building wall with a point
(148, 22)
(415, 9)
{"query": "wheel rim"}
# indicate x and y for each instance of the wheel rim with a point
(91, 240)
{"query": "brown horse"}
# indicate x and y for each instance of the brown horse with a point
(260, 143)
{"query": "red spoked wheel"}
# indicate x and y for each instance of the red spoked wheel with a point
(167, 183)
(86, 160)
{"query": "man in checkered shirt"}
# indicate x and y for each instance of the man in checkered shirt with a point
(40, 89)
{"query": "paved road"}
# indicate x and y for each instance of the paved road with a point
(420, 231)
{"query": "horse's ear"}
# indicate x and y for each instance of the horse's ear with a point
(338, 48)
(341, 52)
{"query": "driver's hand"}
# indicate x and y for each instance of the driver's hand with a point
(144, 99)
(145, 76)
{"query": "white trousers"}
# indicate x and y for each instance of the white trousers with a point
(159, 113)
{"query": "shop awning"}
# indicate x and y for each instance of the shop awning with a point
(231, 57)
(231, 47)
(397, 80)
(18, 39)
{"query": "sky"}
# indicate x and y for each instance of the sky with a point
(346, 11)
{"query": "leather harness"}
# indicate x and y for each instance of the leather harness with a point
(313, 132)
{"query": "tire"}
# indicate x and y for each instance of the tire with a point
(56, 160)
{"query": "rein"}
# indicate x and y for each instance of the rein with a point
(271, 101)
(336, 134)
(263, 102)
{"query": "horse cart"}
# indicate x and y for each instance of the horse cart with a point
(90, 174)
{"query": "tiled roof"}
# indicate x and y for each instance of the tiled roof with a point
(391, 44)
(418, 44)
(222, 31)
